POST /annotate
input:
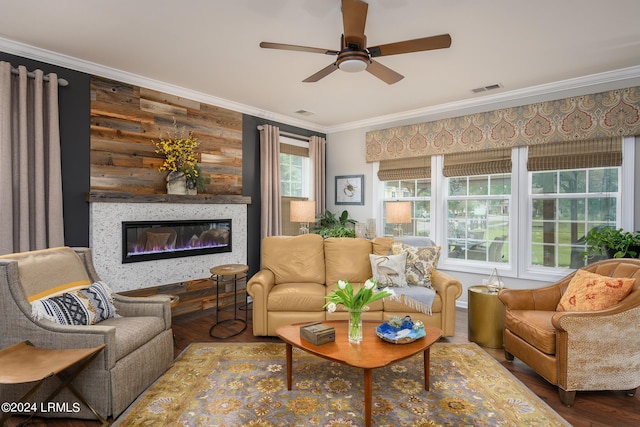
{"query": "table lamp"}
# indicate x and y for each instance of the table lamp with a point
(304, 212)
(398, 213)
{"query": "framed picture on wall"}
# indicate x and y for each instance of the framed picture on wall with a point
(350, 190)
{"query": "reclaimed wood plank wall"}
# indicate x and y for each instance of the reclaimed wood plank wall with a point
(126, 119)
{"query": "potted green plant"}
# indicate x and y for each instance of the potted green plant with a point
(329, 224)
(615, 243)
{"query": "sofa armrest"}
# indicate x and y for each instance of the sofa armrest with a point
(259, 287)
(449, 290)
(156, 306)
(546, 298)
(48, 334)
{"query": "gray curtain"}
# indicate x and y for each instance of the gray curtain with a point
(270, 215)
(317, 148)
(30, 169)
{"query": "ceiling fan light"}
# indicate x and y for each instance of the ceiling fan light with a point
(353, 65)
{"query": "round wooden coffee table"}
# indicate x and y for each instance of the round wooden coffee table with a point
(370, 354)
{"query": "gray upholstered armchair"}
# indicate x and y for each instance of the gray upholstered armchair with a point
(139, 342)
(577, 350)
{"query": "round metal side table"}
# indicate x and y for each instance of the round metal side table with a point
(486, 317)
(223, 275)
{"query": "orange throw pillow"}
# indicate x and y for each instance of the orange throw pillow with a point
(590, 291)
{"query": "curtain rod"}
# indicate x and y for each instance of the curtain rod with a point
(289, 134)
(31, 75)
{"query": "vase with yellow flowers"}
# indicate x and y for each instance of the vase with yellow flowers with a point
(180, 159)
(356, 304)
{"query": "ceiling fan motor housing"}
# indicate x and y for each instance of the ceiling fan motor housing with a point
(353, 61)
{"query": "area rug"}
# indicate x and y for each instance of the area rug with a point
(245, 385)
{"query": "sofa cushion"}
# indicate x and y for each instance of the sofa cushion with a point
(381, 245)
(297, 297)
(591, 291)
(85, 306)
(347, 259)
(133, 332)
(298, 259)
(389, 270)
(534, 327)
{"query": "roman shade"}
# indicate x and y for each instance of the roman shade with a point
(594, 153)
(410, 168)
(477, 163)
(294, 150)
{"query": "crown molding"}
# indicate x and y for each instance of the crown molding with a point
(584, 85)
(43, 55)
(616, 79)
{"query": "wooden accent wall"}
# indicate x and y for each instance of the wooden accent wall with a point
(126, 119)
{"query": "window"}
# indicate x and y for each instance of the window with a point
(294, 175)
(478, 217)
(573, 187)
(524, 210)
(296, 180)
(416, 191)
(408, 180)
(565, 205)
(295, 168)
(477, 203)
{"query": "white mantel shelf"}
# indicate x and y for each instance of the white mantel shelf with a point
(129, 197)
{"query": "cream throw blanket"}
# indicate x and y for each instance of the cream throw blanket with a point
(417, 298)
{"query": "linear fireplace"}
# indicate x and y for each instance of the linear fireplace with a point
(152, 240)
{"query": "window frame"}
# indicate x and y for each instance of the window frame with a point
(520, 217)
(307, 173)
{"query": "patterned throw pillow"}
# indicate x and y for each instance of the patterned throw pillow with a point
(421, 262)
(86, 306)
(591, 291)
(388, 270)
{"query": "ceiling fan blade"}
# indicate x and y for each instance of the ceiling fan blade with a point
(282, 46)
(384, 73)
(354, 18)
(442, 41)
(321, 74)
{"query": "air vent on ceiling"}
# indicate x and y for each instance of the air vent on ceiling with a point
(304, 113)
(486, 88)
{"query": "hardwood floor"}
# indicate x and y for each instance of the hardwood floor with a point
(591, 409)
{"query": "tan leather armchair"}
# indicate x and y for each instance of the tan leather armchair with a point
(577, 350)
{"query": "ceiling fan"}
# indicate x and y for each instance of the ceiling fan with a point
(354, 54)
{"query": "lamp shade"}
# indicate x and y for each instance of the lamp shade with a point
(398, 212)
(302, 211)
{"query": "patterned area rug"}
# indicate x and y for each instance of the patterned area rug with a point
(245, 385)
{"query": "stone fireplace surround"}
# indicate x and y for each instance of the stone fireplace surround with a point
(108, 211)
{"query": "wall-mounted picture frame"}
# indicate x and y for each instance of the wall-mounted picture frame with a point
(350, 190)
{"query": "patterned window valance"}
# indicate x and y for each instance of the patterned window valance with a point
(595, 153)
(413, 168)
(477, 163)
(607, 114)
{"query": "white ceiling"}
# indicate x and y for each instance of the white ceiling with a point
(211, 47)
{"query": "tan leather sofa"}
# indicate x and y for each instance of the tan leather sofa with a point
(577, 350)
(298, 272)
